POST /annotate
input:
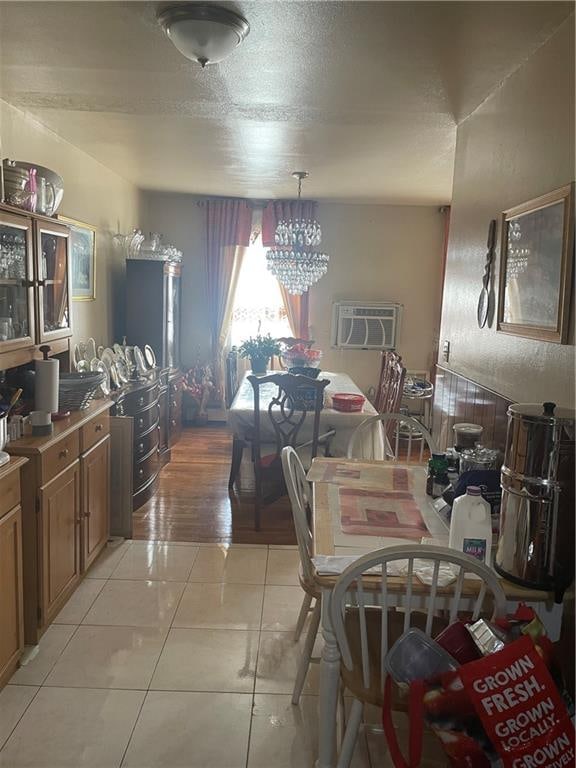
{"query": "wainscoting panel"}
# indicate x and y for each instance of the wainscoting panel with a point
(456, 399)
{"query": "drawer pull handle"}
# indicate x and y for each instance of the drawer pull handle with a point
(141, 400)
(140, 472)
(173, 422)
(140, 447)
(63, 454)
(98, 428)
(140, 422)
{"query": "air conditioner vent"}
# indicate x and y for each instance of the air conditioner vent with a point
(357, 325)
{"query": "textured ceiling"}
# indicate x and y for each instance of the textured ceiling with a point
(366, 96)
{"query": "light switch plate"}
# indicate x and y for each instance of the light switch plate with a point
(446, 350)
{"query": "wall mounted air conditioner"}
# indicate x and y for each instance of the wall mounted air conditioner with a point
(365, 325)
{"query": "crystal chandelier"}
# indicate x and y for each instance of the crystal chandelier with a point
(294, 260)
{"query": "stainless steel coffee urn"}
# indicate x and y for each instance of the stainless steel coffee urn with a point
(536, 544)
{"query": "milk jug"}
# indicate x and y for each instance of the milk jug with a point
(471, 525)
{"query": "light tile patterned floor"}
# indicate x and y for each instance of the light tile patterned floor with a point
(171, 655)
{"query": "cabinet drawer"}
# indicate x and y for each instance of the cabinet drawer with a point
(136, 401)
(146, 443)
(96, 429)
(9, 492)
(146, 469)
(60, 455)
(144, 420)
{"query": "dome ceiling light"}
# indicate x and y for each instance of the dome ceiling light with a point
(203, 32)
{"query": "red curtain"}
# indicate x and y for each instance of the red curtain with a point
(228, 223)
(297, 307)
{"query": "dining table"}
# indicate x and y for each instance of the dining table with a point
(241, 416)
(353, 515)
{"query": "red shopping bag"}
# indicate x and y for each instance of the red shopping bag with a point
(520, 707)
(504, 706)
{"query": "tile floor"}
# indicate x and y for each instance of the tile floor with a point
(171, 655)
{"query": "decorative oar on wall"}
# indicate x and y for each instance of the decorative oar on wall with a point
(485, 300)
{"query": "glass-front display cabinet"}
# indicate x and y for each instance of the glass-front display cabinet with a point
(53, 279)
(16, 283)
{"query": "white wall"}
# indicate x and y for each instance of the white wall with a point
(92, 193)
(377, 252)
(518, 145)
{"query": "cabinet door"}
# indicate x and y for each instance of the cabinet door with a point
(53, 273)
(95, 469)
(11, 607)
(60, 547)
(16, 283)
(172, 320)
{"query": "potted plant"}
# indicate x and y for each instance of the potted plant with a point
(259, 349)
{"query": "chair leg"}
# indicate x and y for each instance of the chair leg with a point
(351, 734)
(237, 451)
(304, 609)
(257, 495)
(306, 653)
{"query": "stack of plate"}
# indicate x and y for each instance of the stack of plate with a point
(76, 390)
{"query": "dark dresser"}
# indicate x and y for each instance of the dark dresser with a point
(153, 317)
(140, 401)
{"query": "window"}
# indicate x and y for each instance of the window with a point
(258, 304)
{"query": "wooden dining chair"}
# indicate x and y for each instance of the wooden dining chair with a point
(365, 628)
(300, 493)
(402, 434)
(280, 426)
(390, 384)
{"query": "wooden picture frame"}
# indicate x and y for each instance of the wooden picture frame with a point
(82, 259)
(536, 264)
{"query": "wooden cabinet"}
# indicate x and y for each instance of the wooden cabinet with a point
(34, 286)
(11, 575)
(59, 528)
(153, 308)
(95, 481)
(65, 510)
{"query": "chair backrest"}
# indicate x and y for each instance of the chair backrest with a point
(406, 439)
(300, 493)
(390, 384)
(353, 591)
(296, 396)
(231, 377)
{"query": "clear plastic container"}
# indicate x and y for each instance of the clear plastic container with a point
(466, 435)
(415, 656)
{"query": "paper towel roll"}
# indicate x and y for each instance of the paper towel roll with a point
(46, 385)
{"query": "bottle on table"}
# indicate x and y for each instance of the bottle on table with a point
(437, 479)
(471, 525)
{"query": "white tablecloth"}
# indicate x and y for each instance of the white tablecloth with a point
(241, 415)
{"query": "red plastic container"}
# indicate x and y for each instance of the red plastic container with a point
(348, 403)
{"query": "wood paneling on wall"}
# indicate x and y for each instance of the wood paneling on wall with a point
(457, 399)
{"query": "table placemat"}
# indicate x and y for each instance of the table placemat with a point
(380, 513)
(381, 477)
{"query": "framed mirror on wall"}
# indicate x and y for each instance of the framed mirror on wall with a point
(536, 267)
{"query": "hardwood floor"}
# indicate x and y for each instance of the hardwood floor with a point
(193, 504)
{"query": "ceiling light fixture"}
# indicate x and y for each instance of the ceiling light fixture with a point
(203, 32)
(293, 261)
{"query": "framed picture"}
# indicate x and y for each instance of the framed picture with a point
(536, 265)
(82, 258)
